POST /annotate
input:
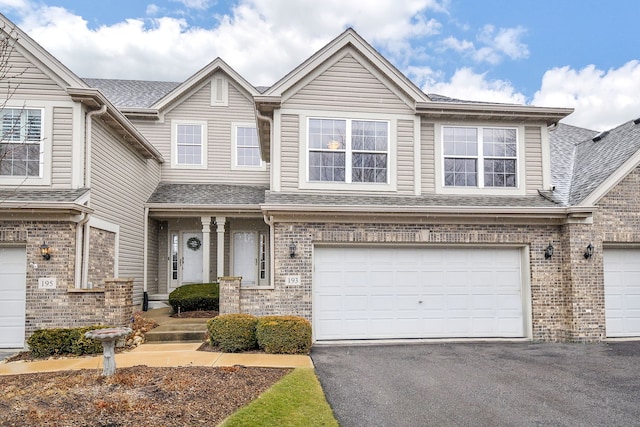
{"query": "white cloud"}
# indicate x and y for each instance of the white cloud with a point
(493, 45)
(467, 85)
(195, 4)
(602, 99)
(278, 33)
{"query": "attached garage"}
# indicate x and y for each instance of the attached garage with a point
(622, 292)
(419, 292)
(13, 268)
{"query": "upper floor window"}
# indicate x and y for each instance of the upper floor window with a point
(20, 142)
(480, 157)
(247, 149)
(348, 150)
(189, 142)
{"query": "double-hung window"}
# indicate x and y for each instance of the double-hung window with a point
(348, 150)
(189, 140)
(20, 142)
(480, 157)
(246, 146)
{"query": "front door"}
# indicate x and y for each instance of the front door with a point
(185, 258)
(245, 256)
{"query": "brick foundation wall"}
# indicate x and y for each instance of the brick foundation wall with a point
(549, 303)
(65, 306)
(102, 253)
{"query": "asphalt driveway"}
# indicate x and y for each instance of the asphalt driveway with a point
(482, 384)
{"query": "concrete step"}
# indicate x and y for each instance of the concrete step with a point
(175, 336)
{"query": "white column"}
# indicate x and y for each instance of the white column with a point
(206, 248)
(220, 221)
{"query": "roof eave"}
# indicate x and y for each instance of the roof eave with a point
(93, 98)
(449, 110)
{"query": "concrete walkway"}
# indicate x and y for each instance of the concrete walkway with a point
(160, 355)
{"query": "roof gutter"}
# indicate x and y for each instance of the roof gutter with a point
(490, 110)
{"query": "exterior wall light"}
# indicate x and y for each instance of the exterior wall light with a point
(588, 253)
(548, 253)
(45, 251)
(292, 250)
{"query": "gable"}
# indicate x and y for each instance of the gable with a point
(347, 84)
(32, 78)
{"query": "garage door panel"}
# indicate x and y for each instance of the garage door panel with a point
(13, 267)
(622, 292)
(422, 293)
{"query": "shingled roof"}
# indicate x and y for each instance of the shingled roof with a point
(209, 195)
(582, 159)
(132, 93)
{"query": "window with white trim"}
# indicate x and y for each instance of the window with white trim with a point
(189, 144)
(480, 157)
(20, 142)
(247, 149)
(348, 150)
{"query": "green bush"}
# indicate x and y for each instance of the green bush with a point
(284, 334)
(199, 296)
(49, 342)
(233, 332)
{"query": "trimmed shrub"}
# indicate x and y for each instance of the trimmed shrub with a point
(284, 334)
(49, 342)
(199, 296)
(233, 332)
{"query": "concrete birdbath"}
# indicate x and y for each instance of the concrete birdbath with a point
(108, 338)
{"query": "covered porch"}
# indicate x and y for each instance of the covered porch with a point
(199, 232)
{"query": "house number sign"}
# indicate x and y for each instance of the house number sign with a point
(292, 280)
(46, 283)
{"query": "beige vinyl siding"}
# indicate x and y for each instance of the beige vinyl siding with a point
(121, 182)
(406, 165)
(533, 158)
(62, 147)
(197, 107)
(428, 157)
(163, 258)
(153, 255)
(34, 84)
(290, 151)
(347, 86)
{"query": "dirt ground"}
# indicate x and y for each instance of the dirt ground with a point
(137, 396)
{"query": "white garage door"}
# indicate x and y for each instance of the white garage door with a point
(622, 292)
(13, 273)
(376, 293)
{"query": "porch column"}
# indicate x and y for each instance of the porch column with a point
(220, 221)
(206, 248)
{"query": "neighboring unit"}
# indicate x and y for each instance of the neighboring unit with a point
(342, 193)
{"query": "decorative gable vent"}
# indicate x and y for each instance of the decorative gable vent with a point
(219, 92)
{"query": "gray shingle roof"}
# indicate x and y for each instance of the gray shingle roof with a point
(132, 93)
(597, 160)
(48, 196)
(208, 194)
(579, 164)
(278, 198)
(563, 141)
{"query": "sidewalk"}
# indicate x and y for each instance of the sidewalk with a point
(159, 355)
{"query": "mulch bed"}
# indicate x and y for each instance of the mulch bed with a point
(199, 314)
(136, 396)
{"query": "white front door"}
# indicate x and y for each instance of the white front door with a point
(192, 257)
(245, 256)
(13, 285)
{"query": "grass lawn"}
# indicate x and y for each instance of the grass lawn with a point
(295, 400)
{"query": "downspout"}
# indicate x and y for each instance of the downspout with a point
(87, 183)
(78, 261)
(270, 120)
(145, 248)
(272, 242)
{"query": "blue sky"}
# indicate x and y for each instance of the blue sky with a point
(565, 53)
